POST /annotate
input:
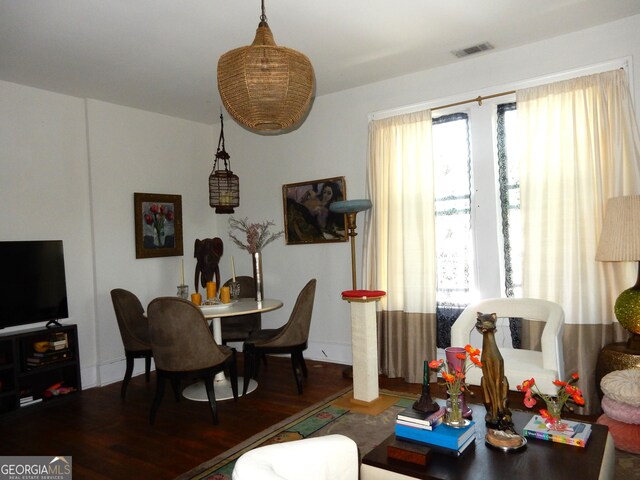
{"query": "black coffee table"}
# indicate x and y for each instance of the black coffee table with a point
(540, 459)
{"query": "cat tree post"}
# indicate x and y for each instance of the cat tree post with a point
(364, 343)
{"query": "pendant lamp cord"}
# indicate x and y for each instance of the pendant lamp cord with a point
(263, 17)
(221, 153)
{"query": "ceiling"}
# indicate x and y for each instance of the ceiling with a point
(162, 55)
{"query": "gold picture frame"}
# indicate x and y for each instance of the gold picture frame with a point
(307, 217)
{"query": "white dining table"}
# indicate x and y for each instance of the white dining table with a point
(215, 313)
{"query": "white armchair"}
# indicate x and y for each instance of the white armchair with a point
(332, 457)
(545, 366)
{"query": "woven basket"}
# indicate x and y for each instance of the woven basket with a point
(263, 86)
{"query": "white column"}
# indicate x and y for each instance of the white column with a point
(364, 345)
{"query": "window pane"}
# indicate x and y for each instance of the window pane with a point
(453, 219)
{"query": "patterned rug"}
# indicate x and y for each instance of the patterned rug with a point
(333, 415)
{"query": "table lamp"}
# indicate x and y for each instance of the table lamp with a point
(620, 242)
(351, 208)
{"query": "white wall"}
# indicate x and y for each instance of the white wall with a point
(70, 168)
(333, 142)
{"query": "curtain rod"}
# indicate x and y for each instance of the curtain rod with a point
(478, 99)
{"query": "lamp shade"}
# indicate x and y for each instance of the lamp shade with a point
(266, 87)
(620, 238)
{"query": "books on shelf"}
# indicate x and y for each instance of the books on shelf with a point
(29, 400)
(39, 359)
(574, 433)
(58, 341)
(414, 416)
(441, 436)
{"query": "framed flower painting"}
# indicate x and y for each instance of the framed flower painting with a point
(158, 225)
(307, 216)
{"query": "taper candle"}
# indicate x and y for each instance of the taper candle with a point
(182, 265)
(233, 269)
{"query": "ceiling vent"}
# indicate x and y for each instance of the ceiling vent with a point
(465, 52)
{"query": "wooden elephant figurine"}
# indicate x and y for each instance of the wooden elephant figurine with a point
(208, 253)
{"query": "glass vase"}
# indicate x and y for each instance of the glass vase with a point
(554, 420)
(454, 417)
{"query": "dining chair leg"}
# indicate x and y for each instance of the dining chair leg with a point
(147, 367)
(160, 378)
(233, 370)
(249, 355)
(303, 365)
(127, 374)
(297, 371)
(211, 395)
(175, 385)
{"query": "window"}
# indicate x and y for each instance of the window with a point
(477, 204)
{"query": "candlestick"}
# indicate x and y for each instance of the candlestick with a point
(233, 269)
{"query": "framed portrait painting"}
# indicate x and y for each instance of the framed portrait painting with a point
(158, 225)
(307, 214)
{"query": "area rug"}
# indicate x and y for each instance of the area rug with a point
(334, 415)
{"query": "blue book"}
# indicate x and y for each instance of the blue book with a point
(442, 435)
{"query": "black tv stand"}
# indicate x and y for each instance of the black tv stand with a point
(53, 324)
(26, 373)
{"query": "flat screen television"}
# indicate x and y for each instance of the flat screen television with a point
(32, 283)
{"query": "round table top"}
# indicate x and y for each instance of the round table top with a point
(243, 306)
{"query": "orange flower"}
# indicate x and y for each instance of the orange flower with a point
(567, 392)
(454, 376)
(435, 364)
(476, 361)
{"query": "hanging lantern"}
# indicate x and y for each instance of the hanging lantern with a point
(224, 186)
(266, 87)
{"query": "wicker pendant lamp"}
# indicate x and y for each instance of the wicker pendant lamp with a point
(265, 87)
(224, 186)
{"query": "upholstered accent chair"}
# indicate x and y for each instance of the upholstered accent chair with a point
(181, 343)
(290, 338)
(134, 330)
(238, 328)
(331, 457)
(545, 366)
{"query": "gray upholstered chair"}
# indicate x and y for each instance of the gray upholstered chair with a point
(238, 328)
(182, 342)
(290, 338)
(134, 330)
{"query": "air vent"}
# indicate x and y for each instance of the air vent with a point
(465, 52)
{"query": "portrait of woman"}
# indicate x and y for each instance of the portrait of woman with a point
(308, 218)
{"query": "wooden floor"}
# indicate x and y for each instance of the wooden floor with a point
(112, 439)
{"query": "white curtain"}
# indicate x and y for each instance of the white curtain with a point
(399, 239)
(579, 147)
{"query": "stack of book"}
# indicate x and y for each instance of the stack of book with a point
(29, 400)
(58, 341)
(415, 419)
(37, 359)
(571, 433)
(431, 432)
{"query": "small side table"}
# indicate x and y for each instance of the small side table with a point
(615, 356)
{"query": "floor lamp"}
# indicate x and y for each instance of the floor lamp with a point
(364, 335)
(350, 208)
